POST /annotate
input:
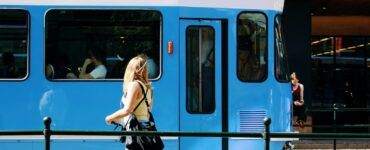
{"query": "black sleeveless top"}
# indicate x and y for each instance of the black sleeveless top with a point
(296, 94)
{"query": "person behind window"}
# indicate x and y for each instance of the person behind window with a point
(246, 58)
(152, 66)
(9, 68)
(348, 95)
(49, 71)
(207, 77)
(247, 67)
(97, 58)
(298, 102)
(60, 64)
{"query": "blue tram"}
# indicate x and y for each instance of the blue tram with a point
(215, 66)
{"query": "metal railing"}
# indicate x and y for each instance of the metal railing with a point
(266, 135)
(335, 108)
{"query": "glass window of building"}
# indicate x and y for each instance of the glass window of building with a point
(200, 70)
(252, 47)
(368, 70)
(340, 74)
(322, 60)
(79, 46)
(339, 71)
(13, 44)
(281, 60)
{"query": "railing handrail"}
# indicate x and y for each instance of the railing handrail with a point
(331, 109)
(320, 135)
(337, 125)
(266, 135)
(159, 133)
(196, 134)
(25, 132)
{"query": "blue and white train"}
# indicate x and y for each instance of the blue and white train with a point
(215, 66)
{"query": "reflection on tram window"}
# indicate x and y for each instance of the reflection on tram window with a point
(79, 46)
(252, 47)
(281, 60)
(368, 69)
(13, 44)
(200, 70)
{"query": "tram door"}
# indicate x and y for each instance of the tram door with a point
(200, 82)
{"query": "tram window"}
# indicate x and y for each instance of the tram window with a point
(108, 37)
(281, 60)
(252, 47)
(200, 70)
(13, 44)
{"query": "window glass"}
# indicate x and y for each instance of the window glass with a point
(252, 47)
(200, 70)
(322, 61)
(281, 69)
(349, 51)
(13, 44)
(350, 71)
(97, 44)
(368, 71)
(339, 71)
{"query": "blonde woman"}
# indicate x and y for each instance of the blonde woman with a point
(135, 78)
(137, 99)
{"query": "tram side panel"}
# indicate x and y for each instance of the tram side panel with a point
(82, 105)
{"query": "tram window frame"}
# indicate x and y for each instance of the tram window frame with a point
(265, 75)
(27, 45)
(120, 79)
(213, 106)
(282, 40)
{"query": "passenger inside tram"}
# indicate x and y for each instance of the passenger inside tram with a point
(8, 68)
(96, 58)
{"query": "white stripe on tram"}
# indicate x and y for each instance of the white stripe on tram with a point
(272, 139)
(69, 137)
(242, 4)
(77, 137)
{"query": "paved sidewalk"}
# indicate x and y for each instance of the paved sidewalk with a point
(328, 144)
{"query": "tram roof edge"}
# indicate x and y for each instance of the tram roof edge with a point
(241, 4)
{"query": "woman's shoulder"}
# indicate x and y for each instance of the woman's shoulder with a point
(301, 85)
(133, 84)
(144, 84)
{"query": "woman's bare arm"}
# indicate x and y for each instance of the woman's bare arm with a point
(133, 91)
(301, 93)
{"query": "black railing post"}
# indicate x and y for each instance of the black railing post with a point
(335, 127)
(266, 133)
(47, 132)
(335, 108)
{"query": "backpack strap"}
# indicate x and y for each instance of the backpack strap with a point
(144, 97)
(151, 118)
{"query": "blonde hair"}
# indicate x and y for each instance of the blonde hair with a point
(136, 70)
